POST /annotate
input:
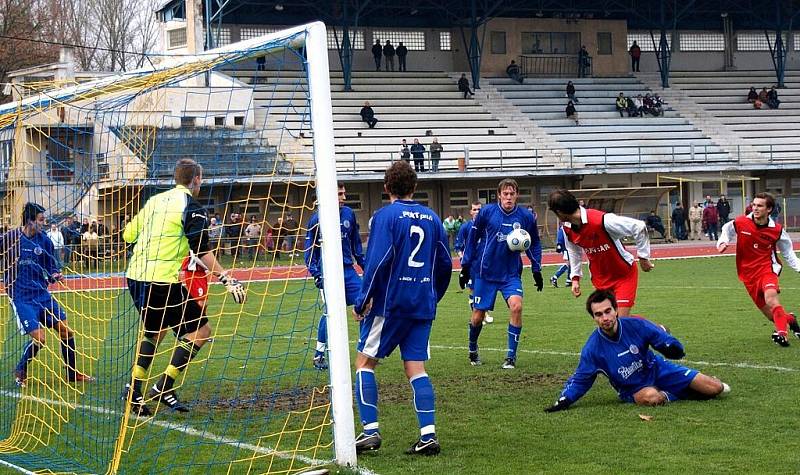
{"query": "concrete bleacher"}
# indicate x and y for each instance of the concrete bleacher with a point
(723, 95)
(603, 137)
(407, 105)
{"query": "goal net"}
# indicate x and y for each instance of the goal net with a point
(256, 115)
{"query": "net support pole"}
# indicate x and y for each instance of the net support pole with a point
(332, 267)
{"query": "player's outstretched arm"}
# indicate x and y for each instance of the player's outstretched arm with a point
(784, 245)
(619, 227)
(727, 234)
(578, 384)
(232, 285)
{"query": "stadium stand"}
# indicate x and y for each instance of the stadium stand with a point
(722, 95)
(408, 105)
(603, 136)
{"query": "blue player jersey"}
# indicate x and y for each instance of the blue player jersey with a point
(27, 264)
(628, 362)
(461, 237)
(561, 239)
(352, 250)
(486, 251)
(408, 262)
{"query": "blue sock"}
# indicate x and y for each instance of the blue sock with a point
(474, 333)
(367, 399)
(28, 353)
(68, 353)
(322, 336)
(425, 405)
(561, 270)
(513, 340)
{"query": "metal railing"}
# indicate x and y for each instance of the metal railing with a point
(554, 65)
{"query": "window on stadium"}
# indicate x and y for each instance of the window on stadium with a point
(250, 32)
(711, 188)
(221, 39)
(413, 40)
(6, 151)
(702, 41)
(550, 42)
(645, 42)
(176, 38)
(353, 201)
(459, 198)
(356, 38)
(756, 41)
(774, 185)
(525, 197)
(604, 42)
(422, 197)
(797, 42)
(498, 41)
(487, 196)
(444, 41)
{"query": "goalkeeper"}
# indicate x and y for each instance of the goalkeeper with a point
(166, 229)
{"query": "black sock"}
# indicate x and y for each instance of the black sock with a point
(147, 350)
(184, 352)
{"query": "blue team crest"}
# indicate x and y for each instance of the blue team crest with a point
(634, 349)
(346, 224)
(516, 225)
(38, 250)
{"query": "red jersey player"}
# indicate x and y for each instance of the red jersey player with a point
(597, 234)
(757, 239)
(194, 276)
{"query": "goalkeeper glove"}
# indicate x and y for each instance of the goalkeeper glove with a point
(318, 281)
(234, 287)
(560, 405)
(463, 277)
(537, 277)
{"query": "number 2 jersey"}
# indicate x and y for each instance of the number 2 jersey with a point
(756, 247)
(408, 265)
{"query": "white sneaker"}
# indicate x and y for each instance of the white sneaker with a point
(488, 318)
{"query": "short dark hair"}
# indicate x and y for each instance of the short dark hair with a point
(477, 203)
(400, 179)
(562, 201)
(30, 211)
(505, 183)
(600, 296)
(768, 198)
(186, 170)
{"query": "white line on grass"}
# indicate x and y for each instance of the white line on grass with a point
(569, 353)
(16, 467)
(203, 434)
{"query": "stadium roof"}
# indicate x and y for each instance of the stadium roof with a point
(640, 14)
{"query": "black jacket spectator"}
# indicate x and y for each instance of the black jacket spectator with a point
(402, 52)
(368, 115)
(752, 96)
(463, 85)
(723, 209)
(772, 99)
(388, 52)
(513, 71)
(377, 53)
(654, 222)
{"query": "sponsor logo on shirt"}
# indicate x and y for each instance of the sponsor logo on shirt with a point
(627, 371)
(634, 349)
(416, 215)
(198, 215)
(595, 250)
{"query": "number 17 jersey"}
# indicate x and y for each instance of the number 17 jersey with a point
(408, 262)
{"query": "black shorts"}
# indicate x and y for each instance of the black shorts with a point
(163, 306)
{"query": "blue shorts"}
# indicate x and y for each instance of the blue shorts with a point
(378, 337)
(671, 378)
(485, 292)
(352, 285)
(33, 315)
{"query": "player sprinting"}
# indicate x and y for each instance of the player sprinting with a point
(597, 234)
(407, 272)
(461, 241)
(561, 249)
(494, 268)
(169, 227)
(758, 236)
(29, 265)
(352, 252)
(620, 348)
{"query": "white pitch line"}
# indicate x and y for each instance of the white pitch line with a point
(16, 467)
(569, 353)
(204, 434)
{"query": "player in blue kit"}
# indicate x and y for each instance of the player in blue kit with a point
(494, 268)
(352, 252)
(620, 349)
(407, 272)
(561, 248)
(29, 265)
(461, 241)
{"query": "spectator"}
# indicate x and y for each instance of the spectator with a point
(708, 202)
(253, 235)
(377, 53)
(292, 228)
(514, 72)
(654, 222)
(72, 237)
(723, 209)
(711, 221)
(763, 96)
(695, 218)
(638, 104)
(776, 211)
(648, 105)
(622, 104)
(269, 240)
(635, 53)
(402, 52)
(418, 152)
(232, 235)
(631, 107)
(214, 234)
(388, 52)
(752, 96)
(679, 221)
(90, 241)
(405, 152)
(451, 228)
(368, 115)
(436, 154)
(583, 63)
(772, 99)
(58, 244)
(102, 230)
(572, 113)
(463, 86)
(261, 63)
(84, 225)
(658, 105)
(571, 92)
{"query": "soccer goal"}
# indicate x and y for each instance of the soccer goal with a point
(257, 116)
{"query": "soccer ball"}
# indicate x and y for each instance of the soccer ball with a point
(518, 240)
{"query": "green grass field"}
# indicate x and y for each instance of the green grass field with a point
(488, 420)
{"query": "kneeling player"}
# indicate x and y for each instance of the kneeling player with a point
(620, 349)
